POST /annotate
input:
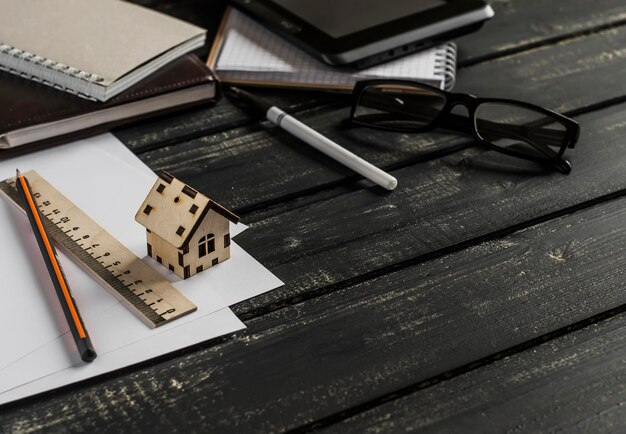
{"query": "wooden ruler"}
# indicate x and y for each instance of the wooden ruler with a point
(148, 294)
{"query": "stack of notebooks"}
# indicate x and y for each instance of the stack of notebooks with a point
(71, 67)
(244, 52)
(34, 114)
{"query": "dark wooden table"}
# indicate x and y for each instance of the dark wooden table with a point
(481, 295)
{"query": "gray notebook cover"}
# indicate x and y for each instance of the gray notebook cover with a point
(108, 38)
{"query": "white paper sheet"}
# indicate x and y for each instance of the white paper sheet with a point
(77, 171)
(46, 336)
(115, 327)
(219, 323)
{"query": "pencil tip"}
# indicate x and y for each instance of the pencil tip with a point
(18, 173)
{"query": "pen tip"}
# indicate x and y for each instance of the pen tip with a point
(18, 173)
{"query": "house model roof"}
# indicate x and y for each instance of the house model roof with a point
(173, 210)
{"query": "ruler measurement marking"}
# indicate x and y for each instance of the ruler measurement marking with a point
(118, 286)
(102, 244)
(105, 275)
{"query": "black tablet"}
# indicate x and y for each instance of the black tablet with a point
(361, 33)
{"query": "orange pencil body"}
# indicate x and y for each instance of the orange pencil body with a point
(75, 322)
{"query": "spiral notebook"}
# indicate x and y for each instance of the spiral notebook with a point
(245, 52)
(95, 49)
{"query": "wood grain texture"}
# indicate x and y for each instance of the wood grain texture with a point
(235, 167)
(521, 24)
(387, 292)
(442, 204)
(317, 358)
(213, 118)
(572, 384)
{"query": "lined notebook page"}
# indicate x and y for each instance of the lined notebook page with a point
(251, 53)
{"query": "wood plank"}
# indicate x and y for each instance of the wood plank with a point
(248, 168)
(197, 391)
(571, 384)
(525, 22)
(521, 24)
(442, 205)
(336, 352)
(210, 119)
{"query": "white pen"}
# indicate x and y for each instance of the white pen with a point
(318, 141)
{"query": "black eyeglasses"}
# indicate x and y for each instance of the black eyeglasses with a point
(512, 127)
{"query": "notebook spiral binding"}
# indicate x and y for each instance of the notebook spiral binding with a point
(11, 57)
(445, 64)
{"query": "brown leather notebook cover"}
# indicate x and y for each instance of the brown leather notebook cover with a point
(28, 104)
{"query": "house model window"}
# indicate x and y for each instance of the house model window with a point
(206, 245)
(186, 231)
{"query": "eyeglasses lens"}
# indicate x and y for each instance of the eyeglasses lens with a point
(398, 106)
(520, 129)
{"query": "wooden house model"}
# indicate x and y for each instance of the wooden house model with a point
(187, 232)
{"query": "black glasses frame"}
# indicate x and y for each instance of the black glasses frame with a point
(446, 119)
